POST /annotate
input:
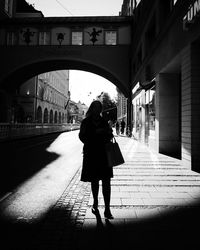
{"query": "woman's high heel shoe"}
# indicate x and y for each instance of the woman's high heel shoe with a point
(108, 215)
(95, 210)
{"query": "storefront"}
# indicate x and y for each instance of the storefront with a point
(144, 110)
(150, 110)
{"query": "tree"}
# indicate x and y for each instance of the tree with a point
(109, 107)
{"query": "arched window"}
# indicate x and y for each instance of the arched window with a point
(59, 118)
(45, 119)
(51, 116)
(39, 114)
(66, 120)
(56, 117)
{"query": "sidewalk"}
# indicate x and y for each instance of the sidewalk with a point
(155, 204)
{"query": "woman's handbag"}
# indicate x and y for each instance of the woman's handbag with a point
(114, 154)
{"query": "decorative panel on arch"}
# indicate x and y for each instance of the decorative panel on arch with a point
(94, 36)
(60, 36)
(28, 36)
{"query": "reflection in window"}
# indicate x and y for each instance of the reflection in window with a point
(111, 37)
(77, 38)
(44, 38)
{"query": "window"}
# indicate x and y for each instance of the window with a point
(111, 37)
(11, 38)
(8, 6)
(77, 37)
(44, 38)
(150, 102)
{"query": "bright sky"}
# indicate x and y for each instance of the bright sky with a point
(84, 86)
(78, 7)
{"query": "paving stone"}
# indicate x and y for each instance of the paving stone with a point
(145, 191)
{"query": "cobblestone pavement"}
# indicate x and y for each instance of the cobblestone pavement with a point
(155, 203)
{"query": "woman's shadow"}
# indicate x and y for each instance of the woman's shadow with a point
(100, 226)
(104, 234)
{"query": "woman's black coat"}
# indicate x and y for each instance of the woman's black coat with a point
(94, 135)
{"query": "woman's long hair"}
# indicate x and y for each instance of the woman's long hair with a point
(95, 107)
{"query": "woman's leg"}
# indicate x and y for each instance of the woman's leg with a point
(106, 189)
(95, 192)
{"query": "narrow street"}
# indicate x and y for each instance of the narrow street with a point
(155, 203)
(32, 198)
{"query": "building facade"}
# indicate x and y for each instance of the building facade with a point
(121, 106)
(17, 8)
(7, 9)
(41, 99)
(52, 97)
(82, 109)
(166, 79)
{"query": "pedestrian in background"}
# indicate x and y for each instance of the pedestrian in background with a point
(95, 132)
(117, 127)
(122, 126)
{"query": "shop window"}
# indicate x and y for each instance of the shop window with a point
(110, 37)
(44, 38)
(138, 114)
(152, 110)
(77, 37)
(150, 101)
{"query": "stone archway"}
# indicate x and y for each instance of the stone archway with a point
(110, 63)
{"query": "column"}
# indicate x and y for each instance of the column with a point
(168, 93)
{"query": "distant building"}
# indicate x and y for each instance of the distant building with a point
(82, 109)
(121, 106)
(24, 9)
(17, 8)
(42, 99)
(7, 8)
(73, 112)
(128, 7)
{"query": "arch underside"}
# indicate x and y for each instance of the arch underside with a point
(28, 71)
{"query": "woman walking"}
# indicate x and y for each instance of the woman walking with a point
(95, 132)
